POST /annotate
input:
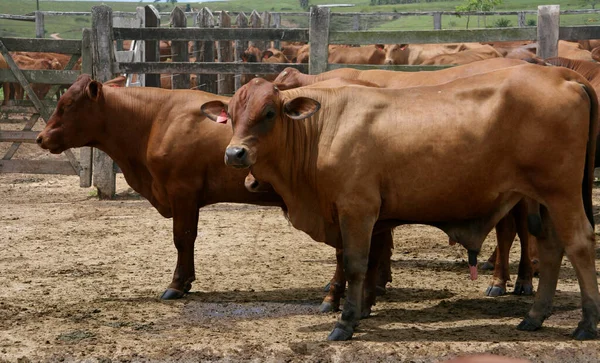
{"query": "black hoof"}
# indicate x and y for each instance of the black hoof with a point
(528, 325)
(523, 289)
(187, 287)
(327, 287)
(487, 266)
(583, 333)
(340, 333)
(327, 307)
(495, 291)
(172, 294)
(365, 313)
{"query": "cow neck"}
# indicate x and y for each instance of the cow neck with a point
(591, 71)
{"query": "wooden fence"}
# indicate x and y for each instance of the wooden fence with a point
(232, 35)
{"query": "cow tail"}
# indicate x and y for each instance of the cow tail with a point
(588, 173)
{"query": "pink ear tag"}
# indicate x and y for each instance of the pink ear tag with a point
(222, 118)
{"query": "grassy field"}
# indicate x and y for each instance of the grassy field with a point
(69, 27)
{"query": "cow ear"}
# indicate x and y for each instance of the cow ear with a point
(267, 54)
(213, 109)
(379, 46)
(93, 90)
(301, 107)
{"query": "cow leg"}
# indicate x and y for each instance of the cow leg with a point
(337, 286)
(524, 283)
(505, 233)
(378, 246)
(356, 237)
(185, 229)
(491, 262)
(384, 275)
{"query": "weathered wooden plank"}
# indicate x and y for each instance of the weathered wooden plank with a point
(225, 81)
(86, 153)
(124, 56)
(521, 19)
(432, 36)
(179, 50)
(41, 76)
(548, 30)
(266, 23)
(206, 82)
(288, 34)
(126, 22)
(37, 167)
(103, 174)
(39, 24)
(42, 45)
(319, 39)
(18, 136)
(69, 66)
(276, 25)
(15, 145)
(204, 68)
(579, 32)
(17, 17)
(400, 68)
(240, 46)
(437, 20)
(256, 23)
(151, 50)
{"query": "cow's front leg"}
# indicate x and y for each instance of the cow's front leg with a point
(185, 229)
(356, 237)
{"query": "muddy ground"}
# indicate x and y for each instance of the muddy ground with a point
(80, 280)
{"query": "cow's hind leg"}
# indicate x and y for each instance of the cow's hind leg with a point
(505, 234)
(336, 287)
(524, 283)
(384, 274)
(376, 255)
(356, 237)
(185, 229)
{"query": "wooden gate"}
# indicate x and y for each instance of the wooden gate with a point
(42, 107)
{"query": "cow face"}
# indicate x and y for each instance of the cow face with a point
(258, 114)
(64, 129)
(396, 54)
(287, 79)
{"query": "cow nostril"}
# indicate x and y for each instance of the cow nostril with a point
(240, 152)
(38, 140)
(254, 184)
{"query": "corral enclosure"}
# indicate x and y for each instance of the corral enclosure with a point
(82, 277)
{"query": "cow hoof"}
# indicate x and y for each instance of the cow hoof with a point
(327, 307)
(365, 313)
(495, 291)
(523, 289)
(487, 266)
(584, 334)
(340, 333)
(172, 294)
(380, 290)
(528, 325)
(327, 287)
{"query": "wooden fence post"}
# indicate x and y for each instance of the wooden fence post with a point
(39, 24)
(356, 22)
(437, 20)
(266, 23)
(318, 33)
(277, 25)
(225, 54)
(103, 51)
(256, 22)
(547, 30)
(205, 52)
(140, 55)
(179, 50)
(85, 153)
(240, 46)
(521, 19)
(151, 47)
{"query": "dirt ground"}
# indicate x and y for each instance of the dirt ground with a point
(80, 280)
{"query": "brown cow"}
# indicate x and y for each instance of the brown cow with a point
(414, 54)
(369, 54)
(464, 57)
(348, 159)
(169, 153)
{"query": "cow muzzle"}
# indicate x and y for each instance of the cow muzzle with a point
(237, 156)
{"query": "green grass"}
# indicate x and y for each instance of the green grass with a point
(69, 27)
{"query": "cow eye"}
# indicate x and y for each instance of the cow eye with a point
(270, 114)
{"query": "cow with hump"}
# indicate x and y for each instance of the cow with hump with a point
(348, 159)
(169, 152)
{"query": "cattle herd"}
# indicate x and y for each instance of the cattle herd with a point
(504, 140)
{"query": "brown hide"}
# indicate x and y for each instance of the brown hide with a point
(414, 54)
(344, 159)
(464, 57)
(368, 54)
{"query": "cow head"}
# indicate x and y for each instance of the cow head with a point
(396, 54)
(258, 114)
(65, 129)
(254, 185)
